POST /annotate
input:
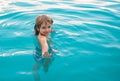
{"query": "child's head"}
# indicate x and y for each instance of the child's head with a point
(43, 25)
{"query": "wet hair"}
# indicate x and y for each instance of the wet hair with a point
(39, 20)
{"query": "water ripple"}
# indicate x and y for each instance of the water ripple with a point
(77, 22)
(87, 38)
(16, 53)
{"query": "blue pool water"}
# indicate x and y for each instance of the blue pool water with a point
(87, 38)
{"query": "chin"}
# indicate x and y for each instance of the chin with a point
(45, 34)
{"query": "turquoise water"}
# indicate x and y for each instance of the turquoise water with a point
(87, 38)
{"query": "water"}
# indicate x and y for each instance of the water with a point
(87, 38)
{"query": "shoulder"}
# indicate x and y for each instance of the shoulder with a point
(42, 39)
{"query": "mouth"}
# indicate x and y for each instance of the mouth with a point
(45, 33)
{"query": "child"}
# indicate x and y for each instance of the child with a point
(43, 27)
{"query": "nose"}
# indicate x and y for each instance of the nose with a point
(47, 29)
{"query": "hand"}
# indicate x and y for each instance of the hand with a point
(46, 55)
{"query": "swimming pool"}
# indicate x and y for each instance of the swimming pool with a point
(87, 38)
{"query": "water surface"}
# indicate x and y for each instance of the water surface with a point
(87, 38)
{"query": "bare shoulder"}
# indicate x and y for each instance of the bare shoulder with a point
(42, 39)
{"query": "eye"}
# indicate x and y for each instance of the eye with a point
(43, 27)
(49, 26)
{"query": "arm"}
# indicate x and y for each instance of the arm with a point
(45, 48)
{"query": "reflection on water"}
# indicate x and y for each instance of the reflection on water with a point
(41, 61)
(45, 63)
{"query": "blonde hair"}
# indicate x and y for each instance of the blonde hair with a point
(41, 19)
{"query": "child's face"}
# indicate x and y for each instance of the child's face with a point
(45, 29)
